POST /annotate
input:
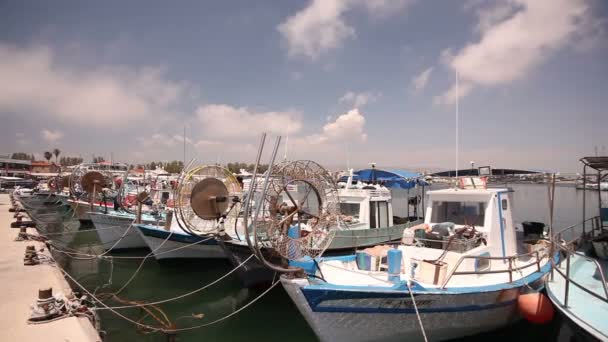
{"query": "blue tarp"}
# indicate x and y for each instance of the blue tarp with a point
(399, 179)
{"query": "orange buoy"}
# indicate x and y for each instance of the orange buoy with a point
(535, 307)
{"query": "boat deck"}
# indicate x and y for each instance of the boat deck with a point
(583, 308)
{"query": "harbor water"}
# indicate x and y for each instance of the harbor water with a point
(273, 317)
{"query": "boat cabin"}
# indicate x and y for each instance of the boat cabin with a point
(484, 215)
(366, 206)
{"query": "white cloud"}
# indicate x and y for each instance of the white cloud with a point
(207, 143)
(321, 26)
(225, 121)
(34, 81)
(358, 100)
(51, 136)
(347, 127)
(316, 29)
(515, 37)
(419, 82)
(160, 140)
(384, 7)
(449, 97)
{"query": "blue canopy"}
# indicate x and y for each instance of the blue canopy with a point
(399, 179)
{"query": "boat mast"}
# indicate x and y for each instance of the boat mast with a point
(457, 110)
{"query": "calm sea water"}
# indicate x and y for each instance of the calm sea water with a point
(273, 317)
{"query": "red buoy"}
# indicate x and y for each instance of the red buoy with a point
(535, 307)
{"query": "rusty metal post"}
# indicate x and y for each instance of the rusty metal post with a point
(567, 290)
(584, 197)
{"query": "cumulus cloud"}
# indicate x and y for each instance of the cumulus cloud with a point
(358, 100)
(225, 121)
(420, 81)
(35, 81)
(51, 136)
(321, 26)
(349, 126)
(515, 37)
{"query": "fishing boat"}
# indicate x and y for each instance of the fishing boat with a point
(82, 209)
(367, 206)
(116, 231)
(459, 273)
(173, 242)
(206, 201)
(579, 279)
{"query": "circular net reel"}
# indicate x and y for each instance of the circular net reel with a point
(129, 190)
(299, 214)
(207, 197)
(83, 182)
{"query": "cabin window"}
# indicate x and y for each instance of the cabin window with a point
(350, 209)
(465, 213)
(504, 204)
(373, 206)
(482, 264)
(382, 214)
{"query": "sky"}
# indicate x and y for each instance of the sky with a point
(344, 82)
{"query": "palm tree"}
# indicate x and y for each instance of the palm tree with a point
(56, 152)
(48, 155)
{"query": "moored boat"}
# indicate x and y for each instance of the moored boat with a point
(458, 274)
(580, 278)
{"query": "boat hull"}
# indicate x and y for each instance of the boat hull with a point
(165, 245)
(252, 273)
(373, 316)
(82, 209)
(116, 232)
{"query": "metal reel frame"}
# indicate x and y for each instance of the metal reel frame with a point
(185, 215)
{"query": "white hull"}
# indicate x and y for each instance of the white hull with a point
(117, 232)
(377, 326)
(167, 249)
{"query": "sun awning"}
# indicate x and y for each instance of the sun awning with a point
(596, 163)
(394, 178)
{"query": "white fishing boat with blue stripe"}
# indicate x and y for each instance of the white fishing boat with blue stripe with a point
(173, 242)
(577, 286)
(458, 274)
(116, 229)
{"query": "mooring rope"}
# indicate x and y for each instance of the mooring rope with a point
(185, 294)
(162, 329)
(417, 313)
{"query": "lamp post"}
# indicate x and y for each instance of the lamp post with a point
(472, 167)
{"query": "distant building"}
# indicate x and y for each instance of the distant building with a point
(44, 167)
(14, 167)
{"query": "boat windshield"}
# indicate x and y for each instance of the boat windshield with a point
(350, 210)
(465, 213)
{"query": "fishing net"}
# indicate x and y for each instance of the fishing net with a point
(299, 214)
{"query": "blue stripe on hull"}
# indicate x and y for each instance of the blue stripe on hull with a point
(390, 303)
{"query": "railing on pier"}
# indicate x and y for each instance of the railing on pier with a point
(509, 259)
(568, 248)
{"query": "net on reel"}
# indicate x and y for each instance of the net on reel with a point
(207, 198)
(299, 213)
(86, 184)
(128, 191)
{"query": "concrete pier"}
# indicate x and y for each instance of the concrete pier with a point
(19, 287)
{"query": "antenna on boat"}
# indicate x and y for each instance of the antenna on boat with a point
(286, 141)
(347, 156)
(457, 114)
